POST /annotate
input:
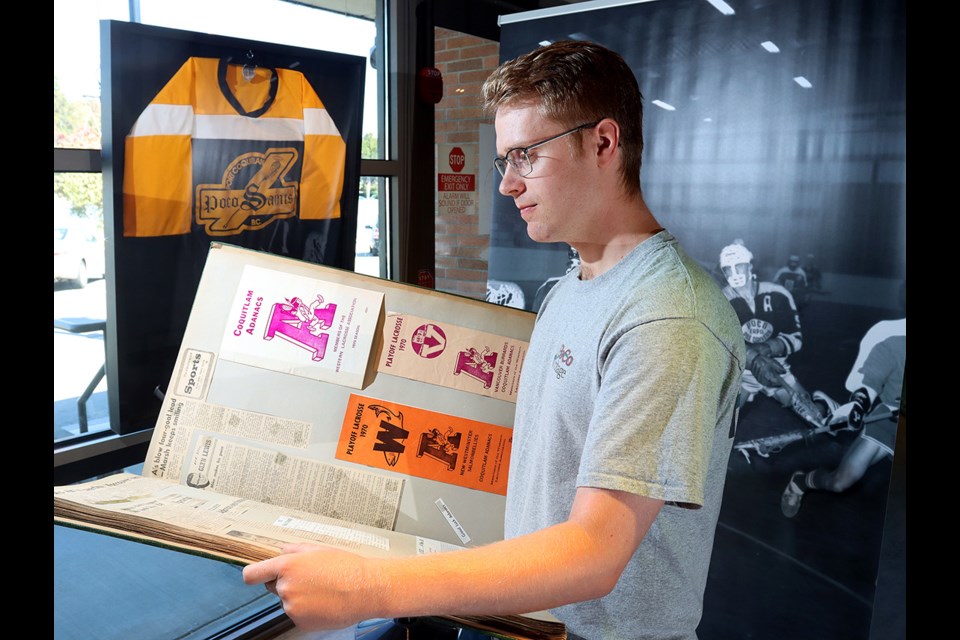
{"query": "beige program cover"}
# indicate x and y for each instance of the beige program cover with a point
(450, 355)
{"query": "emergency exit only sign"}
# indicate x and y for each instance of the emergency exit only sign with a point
(457, 178)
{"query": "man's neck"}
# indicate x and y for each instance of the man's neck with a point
(611, 254)
(618, 235)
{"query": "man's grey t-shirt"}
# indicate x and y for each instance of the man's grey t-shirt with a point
(630, 383)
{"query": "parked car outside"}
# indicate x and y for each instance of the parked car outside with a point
(79, 253)
(368, 227)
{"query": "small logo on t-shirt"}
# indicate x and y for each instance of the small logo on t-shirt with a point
(561, 361)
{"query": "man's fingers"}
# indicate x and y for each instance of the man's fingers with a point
(263, 572)
(299, 547)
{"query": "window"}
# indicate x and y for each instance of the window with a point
(84, 444)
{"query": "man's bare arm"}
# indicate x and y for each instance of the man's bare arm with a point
(580, 559)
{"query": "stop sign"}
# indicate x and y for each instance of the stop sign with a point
(457, 159)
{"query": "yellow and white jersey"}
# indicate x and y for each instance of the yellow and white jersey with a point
(221, 155)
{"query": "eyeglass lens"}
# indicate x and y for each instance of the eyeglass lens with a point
(517, 158)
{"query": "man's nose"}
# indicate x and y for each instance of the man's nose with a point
(511, 183)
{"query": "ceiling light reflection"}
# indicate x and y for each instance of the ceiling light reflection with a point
(722, 7)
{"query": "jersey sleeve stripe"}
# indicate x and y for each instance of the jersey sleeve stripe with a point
(317, 122)
(164, 120)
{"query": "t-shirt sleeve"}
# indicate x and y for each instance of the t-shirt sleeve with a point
(652, 431)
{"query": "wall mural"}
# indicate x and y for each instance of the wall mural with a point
(775, 150)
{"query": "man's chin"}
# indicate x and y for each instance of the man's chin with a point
(537, 234)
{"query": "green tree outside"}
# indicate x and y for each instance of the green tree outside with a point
(76, 125)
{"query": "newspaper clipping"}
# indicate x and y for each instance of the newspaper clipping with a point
(212, 447)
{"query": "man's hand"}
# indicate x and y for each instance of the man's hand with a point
(320, 588)
(764, 368)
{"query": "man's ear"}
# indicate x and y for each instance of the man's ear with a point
(607, 139)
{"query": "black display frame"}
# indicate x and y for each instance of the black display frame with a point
(151, 282)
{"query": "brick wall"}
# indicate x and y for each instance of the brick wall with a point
(461, 246)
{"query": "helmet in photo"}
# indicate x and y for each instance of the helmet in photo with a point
(731, 256)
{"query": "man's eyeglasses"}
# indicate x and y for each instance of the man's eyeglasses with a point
(521, 162)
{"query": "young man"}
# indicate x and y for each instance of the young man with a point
(771, 330)
(626, 410)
